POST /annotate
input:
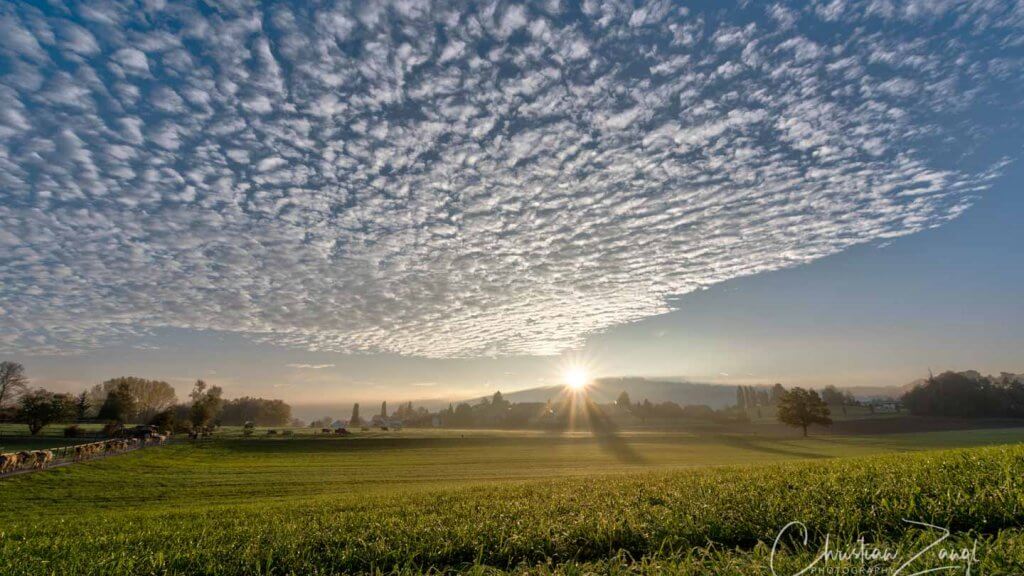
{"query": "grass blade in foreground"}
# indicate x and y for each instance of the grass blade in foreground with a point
(657, 518)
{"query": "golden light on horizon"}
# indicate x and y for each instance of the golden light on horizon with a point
(576, 378)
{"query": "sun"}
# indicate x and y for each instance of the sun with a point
(576, 378)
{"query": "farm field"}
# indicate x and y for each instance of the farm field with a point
(14, 437)
(534, 502)
(38, 443)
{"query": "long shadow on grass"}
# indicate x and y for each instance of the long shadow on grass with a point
(746, 443)
(334, 444)
(579, 412)
(607, 435)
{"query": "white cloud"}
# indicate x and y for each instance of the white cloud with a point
(496, 180)
(132, 59)
(310, 366)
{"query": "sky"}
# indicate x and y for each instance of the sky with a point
(329, 202)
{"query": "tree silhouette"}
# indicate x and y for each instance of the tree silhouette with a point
(624, 401)
(82, 405)
(149, 397)
(119, 405)
(777, 392)
(800, 408)
(39, 408)
(12, 380)
(206, 404)
(834, 397)
(968, 394)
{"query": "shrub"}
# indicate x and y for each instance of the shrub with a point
(72, 431)
(112, 428)
(163, 421)
(39, 408)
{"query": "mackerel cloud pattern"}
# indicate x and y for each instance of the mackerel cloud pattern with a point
(458, 179)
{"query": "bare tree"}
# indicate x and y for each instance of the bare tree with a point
(12, 381)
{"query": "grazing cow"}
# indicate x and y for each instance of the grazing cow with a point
(271, 432)
(27, 458)
(325, 430)
(42, 458)
(9, 462)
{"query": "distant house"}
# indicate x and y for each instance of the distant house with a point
(884, 406)
(379, 421)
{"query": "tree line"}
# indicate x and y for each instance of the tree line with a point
(968, 394)
(130, 399)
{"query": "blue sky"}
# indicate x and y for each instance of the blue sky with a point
(338, 201)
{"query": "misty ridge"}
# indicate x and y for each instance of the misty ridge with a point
(635, 400)
(624, 401)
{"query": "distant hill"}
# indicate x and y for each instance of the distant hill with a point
(868, 392)
(608, 389)
(680, 391)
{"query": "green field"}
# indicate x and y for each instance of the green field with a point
(529, 502)
(15, 437)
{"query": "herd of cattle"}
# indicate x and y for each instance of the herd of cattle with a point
(25, 459)
(38, 459)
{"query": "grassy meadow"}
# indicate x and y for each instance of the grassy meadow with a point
(528, 502)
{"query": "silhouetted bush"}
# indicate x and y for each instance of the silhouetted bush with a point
(112, 428)
(163, 421)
